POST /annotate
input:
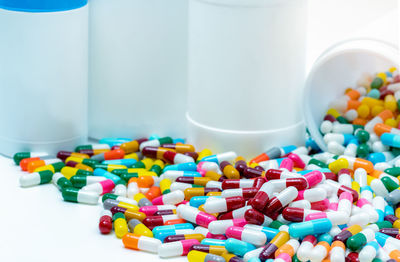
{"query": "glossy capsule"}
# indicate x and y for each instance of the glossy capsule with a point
(137, 242)
(220, 226)
(110, 202)
(56, 167)
(142, 200)
(198, 191)
(320, 251)
(216, 250)
(193, 215)
(79, 165)
(153, 221)
(33, 165)
(304, 250)
(281, 200)
(105, 222)
(120, 225)
(223, 204)
(138, 228)
(246, 193)
(109, 155)
(177, 248)
(269, 250)
(23, 155)
(238, 247)
(245, 234)
(199, 256)
(255, 217)
(118, 198)
(150, 210)
(132, 146)
(312, 227)
(201, 181)
(129, 213)
(69, 172)
(101, 187)
(288, 248)
(179, 237)
(60, 181)
(296, 214)
(33, 179)
(65, 154)
(79, 196)
(171, 198)
(360, 239)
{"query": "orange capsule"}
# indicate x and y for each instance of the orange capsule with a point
(353, 104)
(146, 181)
(360, 121)
(24, 162)
(180, 148)
(153, 192)
(39, 163)
(229, 170)
(175, 221)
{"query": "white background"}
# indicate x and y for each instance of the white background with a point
(37, 225)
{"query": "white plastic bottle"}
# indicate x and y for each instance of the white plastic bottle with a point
(246, 73)
(43, 75)
(138, 68)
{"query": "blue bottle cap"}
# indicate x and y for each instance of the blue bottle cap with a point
(37, 6)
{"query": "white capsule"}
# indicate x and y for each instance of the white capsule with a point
(377, 146)
(214, 184)
(337, 254)
(326, 127)
(314, 194)
(319, 252)
(173, 198)
(336, 148)
(132, 189)
(88, 197)
(179, 186)
(351, 114)
(31, 179)
(216, 205)
(218, 227)
(379, 188)
(252, 253)
(361, 219)
(304, 250)
(342, 128)
(120, 190)
(301, 204)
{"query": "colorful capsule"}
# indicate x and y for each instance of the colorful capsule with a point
(179, 237)
(37, 178)
(65, 154)
(109, 155)
(199, 256)
(177, 248)
(138, 242)
(56, 167)
(305, 248)
(138, 228)
(245, 234)
(193, 215)
(269, 250)
(153, 221)
(105, 222)
(312, 227)
(118, 198)
(150, 210)
(171, 198)
(288, 248)
(223, 204)
(69, 172)
(238, 247)
(281, 200)
(218, 158)
(132, 146)
(72, 194)
(23, 155)
(220, 226)
(61, 181)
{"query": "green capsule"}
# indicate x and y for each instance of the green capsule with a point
(317, 163)
(156, 169)
(275, 224)
(295, 259)
(165, 140)
(21, 155)
(362, 135)
(393, 171)
(356, 242)
(90, 162)
(342, 120)
(377, 260)
(76, 195)
(383, 224)
(363, 150)
(139, 164)
(37, 178)
(376, 83)
(61, 181)
(128, 176)
(80, 181)
(389, 183)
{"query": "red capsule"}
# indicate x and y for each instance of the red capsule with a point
(296, 214)
(153, 221)
(281, 200)
(240, 166)
(105, 223)
(331, 176)
(352, 257)
(298, 182)
(330, 118)
(260, 168)
(258, 182)
(193, 155)
(255, 217)
(320, 205)
(115, 147)
(237, 183)
(235, 202)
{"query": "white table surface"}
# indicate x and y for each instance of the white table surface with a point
(37, 225)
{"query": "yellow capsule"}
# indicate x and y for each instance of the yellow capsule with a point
(217, 250)
(199, 256)
(253, 165)
(201, 181)
(371, 102)
(194, 191)
(213, 175)
(139, 196)
(391, 122)
(196, 236)
(392, 69)
(397, 212)
(333, 112)
(132, 156)
(120, 225)
(138, 228)
(203, 153)
(354, 229)
(214, 194)
(390, 103)
(159, 163)
(363, 111)
(228, 256)
(369, 179)
(355, 186)
(128, 206)
(336, 165)
(382, 75)
(376, 110)
(165, 186)
(148, 162)
(68, 171)
(280, 239)
(130, 147)
(44, 168)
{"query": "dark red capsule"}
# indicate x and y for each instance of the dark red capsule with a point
(249, 192)
(116, 147)
(293, 214)
(330, 118)
(343, 236)
(272, 174)
(235, 202)
(260, 201)
(174, 238)
(164, 212)
(268, 252)
(331, 176)
(255, 217)
(117, 209)
(105, 224)
(393, 232)
(250, 172)
(352, 257)
(150, 151)
(350, 190)
(240, 166)
(153, 221)
(193, 155)
(298, 182)
(258, 182)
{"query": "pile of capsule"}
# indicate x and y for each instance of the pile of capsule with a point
(289, 203)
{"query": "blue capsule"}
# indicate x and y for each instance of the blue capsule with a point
(101, 172)
(114, 141)
(390, 140)
(238, 247)
(213, 242)
(379, 157)
(128, 162)
(312, 227)
(325, 237)
(389, 210)
(158, 229)
(190, 166)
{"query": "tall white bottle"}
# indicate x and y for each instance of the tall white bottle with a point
(138, 68)
(43, 75)
(246, 74)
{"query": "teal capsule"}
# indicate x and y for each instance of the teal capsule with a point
(158, 229)
(114, 141)
(101, 172)
(312, 227)
(389, 183)
(393, 171)
(325, 237)
(190, 166)
(128, 162)
(213, 242)
(238, 247)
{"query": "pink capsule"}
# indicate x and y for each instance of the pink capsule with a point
(234, 214)
(345, 203)
(297, 161)
(314, 178)
(101, 188)
(150, 210)
(194, 215)
(336, 217)
(247, 235)
(287, 164)
(171, 198)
